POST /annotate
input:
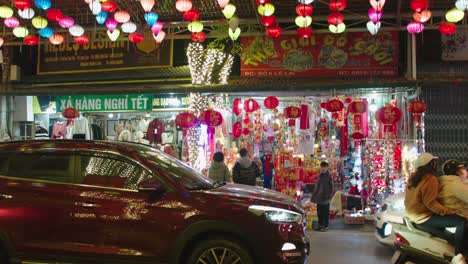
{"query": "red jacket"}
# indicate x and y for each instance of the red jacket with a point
(155, 130)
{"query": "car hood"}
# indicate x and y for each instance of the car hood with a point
(250, 195)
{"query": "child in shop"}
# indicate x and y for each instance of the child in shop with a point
(218, 170)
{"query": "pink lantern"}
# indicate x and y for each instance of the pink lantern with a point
(111, 24)
(122, 16)
(157, 27)
(11, 22)
(415, 27)
(183, 5)
(66, 22)
(147, 5)
(56, 39)
(223, 3)
(374, 15)
(160, 37)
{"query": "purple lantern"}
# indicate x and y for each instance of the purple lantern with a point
(374, 15)
(415, 27)
(157, 27)
(111, 24)
(66, 22)
(11, 22)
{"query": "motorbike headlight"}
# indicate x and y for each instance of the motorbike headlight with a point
(276, 215)
(387, 229)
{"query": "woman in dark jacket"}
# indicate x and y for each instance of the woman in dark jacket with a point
(322, 195)
(245, 171)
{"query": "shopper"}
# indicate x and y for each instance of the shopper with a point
(422, 206)
(322, 195)
(454, 193)
(245, 171)
(218, 170)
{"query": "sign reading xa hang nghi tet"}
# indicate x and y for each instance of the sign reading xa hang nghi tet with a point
(322, 55)
(104, 103)
(103, 55)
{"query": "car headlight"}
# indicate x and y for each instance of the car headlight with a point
(276, 215)
(387, 229)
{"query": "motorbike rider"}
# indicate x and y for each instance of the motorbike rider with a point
(422, 206)
(454, 193)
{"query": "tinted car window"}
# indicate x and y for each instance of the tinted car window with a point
(49, 167)
(3, 165)
(111, 171)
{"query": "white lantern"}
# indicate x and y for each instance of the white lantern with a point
(20, 32)
(114, 35)
(129, 27)
(462, 4)
(160, 37)
(26, 13)
(95, 7)
(76, 30)
(373, 28)
(306, 2)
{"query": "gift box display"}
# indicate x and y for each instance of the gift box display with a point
(351, 218)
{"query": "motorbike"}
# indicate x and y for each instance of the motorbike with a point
(414, 245)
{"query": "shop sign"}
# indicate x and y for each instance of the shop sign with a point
(103, 55)
(170, 102)
(322, 55)
(98, 103)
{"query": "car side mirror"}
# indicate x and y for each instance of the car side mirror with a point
(151, 186)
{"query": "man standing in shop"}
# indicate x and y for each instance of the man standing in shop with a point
(245, 171)
(322, 195)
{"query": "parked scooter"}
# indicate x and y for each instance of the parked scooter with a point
(417, 246)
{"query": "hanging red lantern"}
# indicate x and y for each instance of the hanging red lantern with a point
(191, 15)
(447, 28)
(250, 105)
(186, 120)
(416, 108)
(337, 5)
(273, 31)
(109, 6)
(81, 40)
(245, 131)
(70, 113)
(335, 105)
(335, 18)
(54, 15)
(292, 112)
(237, 129)
(31, 40)
(419, 5)
(304, 32)
(199, 36)
(246, 120)
(304, 10)
(348, 100)
(22, 4)
(136, 37)
(271, 102)
(211, 118)
(262, 2)
(237, 106)
(323, 105)
(268, 21)
(357, 107)
(357, 136)
(388, 116)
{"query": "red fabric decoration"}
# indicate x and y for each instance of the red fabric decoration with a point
(109, 6)
(31, 40)
(304, 10)
(292, 122)
(447, 28)
(348, 100)
(262, 2)
(54, 15)
(186, 120)
(388, 115)
(268, 21)
(273, 31)
(22, 4)
(323, 105)
(335, 18)
(237, 129)
(271, 102)
(357, 136)
(245, 131)
(304, 119)
(236, 106)
(211, 118)
(135, 37)
(250, 105)
(416, 108)
(358, 107)
(81, 40)
(334, 105)
(304, 32)
(337, 5)
(292, 112)
(199, 36)
(419, 5)
(191, 15)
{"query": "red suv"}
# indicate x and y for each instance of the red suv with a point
(102, 202)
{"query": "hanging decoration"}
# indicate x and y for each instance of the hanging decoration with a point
(421, 15)
(462, 5)
(375, 14)
(43, 4)
(109, 6)
(388, 116)
(31, 40)
(27, 13)
(417, 108)
(415, 27)
(135, 37)
(129, 27)
(22, 4)
(6, 12)
(183, 5)
(122, 16)
(229, 10)
(46, 32)
(54, 15)
(266, 11)
(101, 17)
(186, 120)
(337, 6)
(56, 39)
(66, 22)
(147, 5)
(111, 24)
(81, 40)
(447, 28)
(454, 15)
(304, 20)
(271, 102)
(113, 35)
(237, 106)
(199, 36)
(11, 22)
(160, 36)
(76, 30)
(20, 32)
(151, 18)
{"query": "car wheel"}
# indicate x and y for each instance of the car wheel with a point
(219, 251)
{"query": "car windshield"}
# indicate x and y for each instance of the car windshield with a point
(182, 173)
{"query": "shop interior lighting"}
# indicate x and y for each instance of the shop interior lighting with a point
(288, 246)
(111, 115)
(373, 106)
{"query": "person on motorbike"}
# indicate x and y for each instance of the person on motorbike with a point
(423, 207)
(454, 193)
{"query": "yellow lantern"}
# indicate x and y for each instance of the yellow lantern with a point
(454, 15)
(39, 22)
(6, 12)
(266, 9)
(229, 11)
(340, 28)
(195, 26)
(20, 32)
(303, 22)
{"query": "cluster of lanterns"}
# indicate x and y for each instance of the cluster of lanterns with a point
(304, 19)
(192, 15)
(421, 15)
(375, 14)
(453, 16)
(336, 19)
(152, 19)
(229, 11)
(266, 11)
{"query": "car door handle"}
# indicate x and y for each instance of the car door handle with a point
(5, 196)
(88, 205)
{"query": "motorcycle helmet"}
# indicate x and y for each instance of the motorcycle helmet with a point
(451, 166)
(424, 159)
